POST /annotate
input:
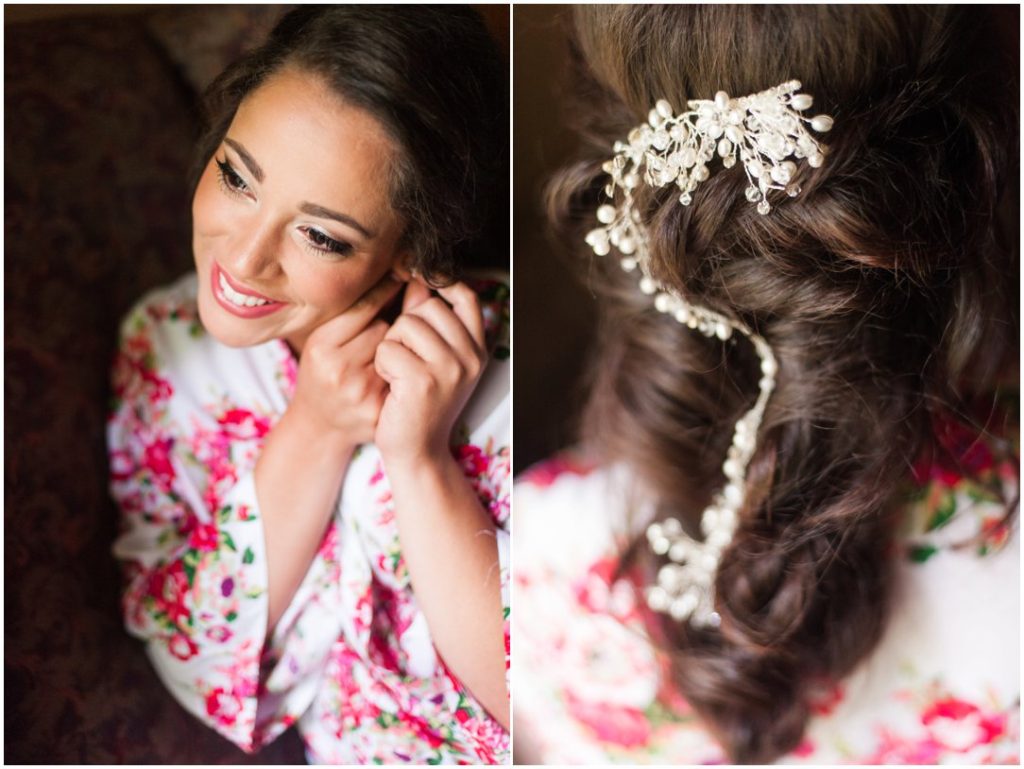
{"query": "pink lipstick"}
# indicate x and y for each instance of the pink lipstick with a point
(240, 301)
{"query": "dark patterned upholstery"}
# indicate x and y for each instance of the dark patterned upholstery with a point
(99, 123)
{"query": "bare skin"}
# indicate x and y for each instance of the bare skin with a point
(401, 386)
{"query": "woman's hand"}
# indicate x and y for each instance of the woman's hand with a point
(337, 386)
(431, 359)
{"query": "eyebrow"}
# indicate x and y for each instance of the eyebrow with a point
(325, 213)
(249, 160)
(312, 209)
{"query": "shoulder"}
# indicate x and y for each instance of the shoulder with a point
(965, 485)
(165, 355)
(573, 512)
(163, 318)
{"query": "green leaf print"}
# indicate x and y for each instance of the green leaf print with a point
(921, 553)
(248, 556)
(229, 543)
(189, 563)
(944, 514)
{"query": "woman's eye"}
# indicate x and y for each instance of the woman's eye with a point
(319, 241)
(230, 179)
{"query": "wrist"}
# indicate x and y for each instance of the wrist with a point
(417, 468)
(317, 435)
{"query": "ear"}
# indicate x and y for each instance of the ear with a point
(402, 268)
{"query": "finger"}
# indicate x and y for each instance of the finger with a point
(422, 339)
(361, 313)
(363, 346)
(466, 306)
(395, 361)
(443, 319)
(416, 293)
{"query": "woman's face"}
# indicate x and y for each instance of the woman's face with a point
(291, 219)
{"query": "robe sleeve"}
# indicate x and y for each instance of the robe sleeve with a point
(195, 573)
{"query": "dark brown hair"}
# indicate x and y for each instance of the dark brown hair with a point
(881, 288)
(431, 76)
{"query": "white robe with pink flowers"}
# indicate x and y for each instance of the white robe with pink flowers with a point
(351, 660)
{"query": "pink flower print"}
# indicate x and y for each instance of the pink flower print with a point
(378, 475)
(620, 725)
(204, 537)
(182, 647)
(223, 706)
(421, 729)
(805, 749)
(959, 452)
(474, 461)
(122, 467)
(242, 424)
(825, 699)
(959, 726)
(219, 634)
(213, 449)
(592, 591)
(329, 546)
(549, 471)
(169, 588)
(157, 460)
(486, 734)
(895, 750)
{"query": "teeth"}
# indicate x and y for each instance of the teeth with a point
(237, 298)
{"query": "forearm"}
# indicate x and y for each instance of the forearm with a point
(449, 545)
(298, 478)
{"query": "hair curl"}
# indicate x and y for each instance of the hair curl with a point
(881, 288)
(431, 76)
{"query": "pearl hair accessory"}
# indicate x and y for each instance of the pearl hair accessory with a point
(764, 130)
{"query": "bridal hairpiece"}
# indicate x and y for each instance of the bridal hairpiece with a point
(766, 132)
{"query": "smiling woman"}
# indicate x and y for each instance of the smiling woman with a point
(291, 222)
(311, 460)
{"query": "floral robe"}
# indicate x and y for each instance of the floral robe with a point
(943, 686)
(351, 659)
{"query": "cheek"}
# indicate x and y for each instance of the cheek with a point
(332, 288)
(207, 204)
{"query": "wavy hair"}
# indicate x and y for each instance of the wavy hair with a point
(882, 288)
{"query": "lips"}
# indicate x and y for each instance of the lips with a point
(242, 303)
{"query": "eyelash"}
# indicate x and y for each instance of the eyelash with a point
(316, 241)
(320, 243)
(230, 181)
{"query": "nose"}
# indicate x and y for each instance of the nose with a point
(253, 252)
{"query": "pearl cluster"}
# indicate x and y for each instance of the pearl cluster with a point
(763, 131)
(685, 586)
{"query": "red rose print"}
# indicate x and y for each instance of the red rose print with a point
(223, 706)
(182, 647)
(204, 537)
(157, 459)
(549, 471)
(615, 724)
(243, 424)
(959, 725)
(473, 460)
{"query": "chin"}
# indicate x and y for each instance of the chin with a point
(229, 331)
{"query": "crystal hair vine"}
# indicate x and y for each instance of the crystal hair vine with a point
(765, 132)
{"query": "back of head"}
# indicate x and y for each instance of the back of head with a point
(882, 288)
